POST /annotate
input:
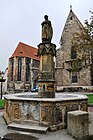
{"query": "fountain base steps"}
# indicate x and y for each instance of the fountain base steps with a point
(28, 128)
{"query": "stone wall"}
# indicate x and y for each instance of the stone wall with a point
(85, 78)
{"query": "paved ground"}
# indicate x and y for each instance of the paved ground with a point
(58, 135)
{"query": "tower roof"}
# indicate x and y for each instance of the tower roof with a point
(24, 50)
(71, 20)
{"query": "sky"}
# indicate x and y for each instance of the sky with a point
(20, 21)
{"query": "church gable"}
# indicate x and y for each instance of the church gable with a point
(72, 25)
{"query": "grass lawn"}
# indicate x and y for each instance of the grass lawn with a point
(90, 100)
(1, 103)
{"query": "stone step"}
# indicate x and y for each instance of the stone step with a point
(28, 122)
(19, 136)
(28, 128)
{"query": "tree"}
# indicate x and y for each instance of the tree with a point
(83, 42)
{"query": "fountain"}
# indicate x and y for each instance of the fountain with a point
(47, 108)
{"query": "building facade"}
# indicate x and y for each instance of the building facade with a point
(70, 71)
(23, 69)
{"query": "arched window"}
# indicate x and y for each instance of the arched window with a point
(92, 55)
(12, 68)
(27, 69)
(74, 77)
(71, 18)
(73, 53)
(19, 69)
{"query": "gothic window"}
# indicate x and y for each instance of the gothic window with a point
(92, 55)
(71, 18)
(27, 69)
(19, 69)
(12, 67)
(73, 53)
(36, 63)
(74, 78)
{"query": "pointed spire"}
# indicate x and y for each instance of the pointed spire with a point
(70, 7)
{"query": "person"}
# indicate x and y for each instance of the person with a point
(47, 31)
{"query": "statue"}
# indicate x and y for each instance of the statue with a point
(47, 31)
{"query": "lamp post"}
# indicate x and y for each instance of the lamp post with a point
(2, 80)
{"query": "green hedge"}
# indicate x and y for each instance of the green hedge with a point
(90, 100)
(1, 103)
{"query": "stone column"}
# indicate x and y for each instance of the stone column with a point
(46, 52)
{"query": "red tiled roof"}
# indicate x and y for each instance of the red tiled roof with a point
(25, 50)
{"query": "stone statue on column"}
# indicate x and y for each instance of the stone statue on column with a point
(47, 31)
(46, 52)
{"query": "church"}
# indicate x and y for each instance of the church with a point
(23, 69)
(70, 72)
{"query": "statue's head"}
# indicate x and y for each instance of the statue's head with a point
(46, 17)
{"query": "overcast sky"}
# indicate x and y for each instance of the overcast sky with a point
(20, 21)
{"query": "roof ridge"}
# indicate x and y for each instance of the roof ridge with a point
(27, 45)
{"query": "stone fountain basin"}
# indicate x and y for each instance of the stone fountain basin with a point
(52, 112)
(34, 96)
